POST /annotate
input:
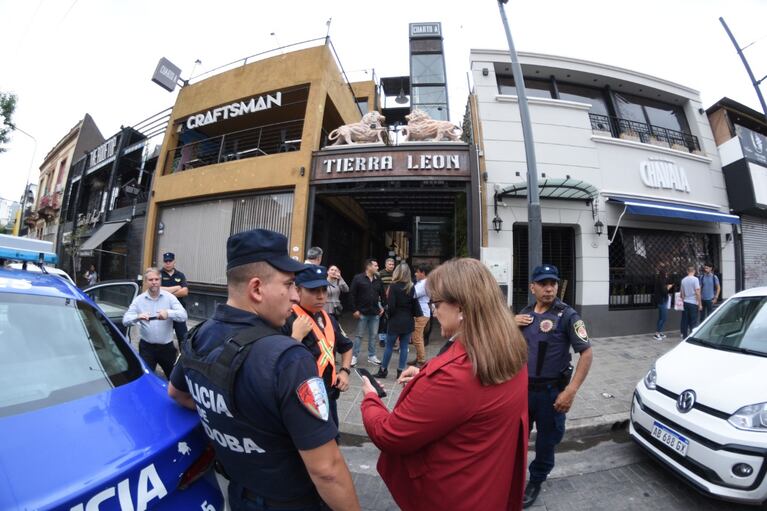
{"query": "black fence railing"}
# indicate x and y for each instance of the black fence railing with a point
(642, 132)
(259, 141)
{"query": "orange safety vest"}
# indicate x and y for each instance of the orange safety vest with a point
(326, 340)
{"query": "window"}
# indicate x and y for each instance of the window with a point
(363, 104)
(741, 324)
(656, 113)
(595, 97)
(636, 255)
(429, 95)
(533, 87)
(428, 68)
(54, 350)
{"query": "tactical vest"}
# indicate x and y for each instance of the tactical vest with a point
(547, 368)
(249, 454)
(326, 340)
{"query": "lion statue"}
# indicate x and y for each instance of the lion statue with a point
(369, 130)
(421, 127)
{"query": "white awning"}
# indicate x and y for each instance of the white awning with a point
(101, 235)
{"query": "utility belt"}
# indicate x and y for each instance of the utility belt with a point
(301, 502)
(538, 384)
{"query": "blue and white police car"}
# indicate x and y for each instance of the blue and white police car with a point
(84, 426)
(702, 408)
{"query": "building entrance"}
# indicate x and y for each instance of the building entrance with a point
(415, 222)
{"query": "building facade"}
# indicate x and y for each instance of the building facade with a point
(43, 221)
(741, 137)
(629, 178)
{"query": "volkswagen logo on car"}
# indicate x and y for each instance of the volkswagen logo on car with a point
(686, 401)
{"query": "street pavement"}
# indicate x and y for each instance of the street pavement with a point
(598, 466)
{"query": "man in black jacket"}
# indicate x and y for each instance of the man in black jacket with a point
(367, 299)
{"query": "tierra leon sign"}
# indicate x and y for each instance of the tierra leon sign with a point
(438, 163)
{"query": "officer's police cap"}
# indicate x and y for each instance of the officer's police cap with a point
(545, 272)
(169, 256)
(312, 277)
(260, 245)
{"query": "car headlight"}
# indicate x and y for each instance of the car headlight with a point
(750, 418)
(651, 378)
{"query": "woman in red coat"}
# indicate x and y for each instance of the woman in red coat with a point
(457, 437)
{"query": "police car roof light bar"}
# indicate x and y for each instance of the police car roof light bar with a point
(27, 250)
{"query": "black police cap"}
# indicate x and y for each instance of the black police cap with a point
(169, 256)
(260, 245)
(545, 272)
(312, 277)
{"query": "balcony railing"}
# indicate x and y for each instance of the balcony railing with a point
(52, 201)
(647, 133)
(259, 141)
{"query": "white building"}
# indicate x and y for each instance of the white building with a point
(618, 151)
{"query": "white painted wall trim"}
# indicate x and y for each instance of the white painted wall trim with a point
(650, 147)
(561, 103)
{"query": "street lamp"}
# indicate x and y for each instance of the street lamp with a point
(497, 223)
(599, 227)
(29, 173)
(534, 236)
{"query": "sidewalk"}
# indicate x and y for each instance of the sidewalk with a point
(603, 400)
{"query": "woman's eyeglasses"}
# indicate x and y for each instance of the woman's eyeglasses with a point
(435, 303)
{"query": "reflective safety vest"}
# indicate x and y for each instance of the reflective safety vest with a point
(326, 340)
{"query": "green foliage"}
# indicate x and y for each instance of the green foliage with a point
(7, 107)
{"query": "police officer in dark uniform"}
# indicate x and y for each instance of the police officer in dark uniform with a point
(321, 333)
(257, 391)
(551, 328)
(174, 282)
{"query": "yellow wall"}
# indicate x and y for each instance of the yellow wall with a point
(314, 66)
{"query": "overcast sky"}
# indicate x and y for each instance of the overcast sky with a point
(64, 58)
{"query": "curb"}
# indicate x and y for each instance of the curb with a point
(575, 429)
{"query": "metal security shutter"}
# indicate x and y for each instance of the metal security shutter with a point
(754, 231)
(273, 212)
(558, 248)
(197, 234)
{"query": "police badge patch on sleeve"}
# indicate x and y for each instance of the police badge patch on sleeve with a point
(580, 330)
(314, 397)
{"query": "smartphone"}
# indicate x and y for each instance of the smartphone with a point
(377, 386)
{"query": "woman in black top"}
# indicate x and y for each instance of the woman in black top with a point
(400, 301)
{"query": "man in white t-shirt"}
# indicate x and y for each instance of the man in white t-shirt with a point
(421, 271)
(690, 291)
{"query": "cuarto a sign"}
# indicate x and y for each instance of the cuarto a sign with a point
(235, 109)
(659, 173)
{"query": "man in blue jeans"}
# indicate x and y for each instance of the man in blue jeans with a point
(367, 299)
(709, 290)
(690, 292)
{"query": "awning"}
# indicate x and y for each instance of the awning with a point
(672, 210)
(101, 235)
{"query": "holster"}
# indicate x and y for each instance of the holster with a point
(564, 377)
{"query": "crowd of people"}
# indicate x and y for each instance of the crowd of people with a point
(694, 296)
(265, 372)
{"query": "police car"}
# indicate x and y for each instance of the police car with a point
(83, 425)
(702, 408)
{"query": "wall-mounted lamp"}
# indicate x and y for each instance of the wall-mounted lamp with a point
(701, 111)
(599, 227)
(485, 71)
(497, 223)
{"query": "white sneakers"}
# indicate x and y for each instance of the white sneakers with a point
(374, 360)
(354, 361)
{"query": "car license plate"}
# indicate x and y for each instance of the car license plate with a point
(670, 438)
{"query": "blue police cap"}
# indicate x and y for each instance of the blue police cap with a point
(545, 272)
(169, 256)
(312, 277)
(260, 245)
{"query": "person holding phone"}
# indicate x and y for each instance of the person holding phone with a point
(156, 344)
(457, 437)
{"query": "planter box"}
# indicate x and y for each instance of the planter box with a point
(631, 135)
(602, 133)
(658, 142)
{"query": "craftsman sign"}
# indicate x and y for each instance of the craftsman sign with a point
(658, 173)
(235, 109)
(393, 163)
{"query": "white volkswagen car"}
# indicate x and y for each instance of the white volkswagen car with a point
(702, 408)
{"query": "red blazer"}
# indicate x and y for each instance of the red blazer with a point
(451, 443)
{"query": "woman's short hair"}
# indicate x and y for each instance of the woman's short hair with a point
(492, 340)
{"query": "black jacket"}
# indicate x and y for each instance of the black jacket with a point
(400, 309)
(365, 294)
